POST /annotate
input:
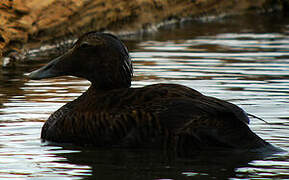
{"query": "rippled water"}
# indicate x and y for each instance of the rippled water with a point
(242, 60)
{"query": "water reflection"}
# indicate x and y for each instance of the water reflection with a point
(239, 60)
(144, 164)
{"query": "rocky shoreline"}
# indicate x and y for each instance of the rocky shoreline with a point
(38, 21)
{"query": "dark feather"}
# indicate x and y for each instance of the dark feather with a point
(162, 115)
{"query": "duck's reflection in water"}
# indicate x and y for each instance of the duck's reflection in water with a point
(155, 164)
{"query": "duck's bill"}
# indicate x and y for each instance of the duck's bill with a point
(48, 71)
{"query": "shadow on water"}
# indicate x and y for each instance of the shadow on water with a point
(11, 79)
(258, 24)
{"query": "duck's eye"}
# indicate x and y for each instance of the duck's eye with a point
(85, 45)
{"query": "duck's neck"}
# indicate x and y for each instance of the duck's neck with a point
(103, 85)
(96, 90)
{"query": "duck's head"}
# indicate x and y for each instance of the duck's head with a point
(100, 58)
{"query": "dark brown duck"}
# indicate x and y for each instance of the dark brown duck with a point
(111, 114)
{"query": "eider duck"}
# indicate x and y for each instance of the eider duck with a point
(112, 114)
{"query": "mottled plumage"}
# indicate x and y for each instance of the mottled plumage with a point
(111, 114)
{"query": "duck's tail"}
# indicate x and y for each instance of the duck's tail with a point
(240, 140)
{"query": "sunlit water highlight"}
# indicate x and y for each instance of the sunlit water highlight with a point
(248, 66)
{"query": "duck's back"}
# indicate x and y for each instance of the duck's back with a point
(162, 115)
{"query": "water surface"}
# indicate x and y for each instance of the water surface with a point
(244, 60)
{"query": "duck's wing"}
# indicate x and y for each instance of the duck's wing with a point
(205, 122)
(181, 114)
